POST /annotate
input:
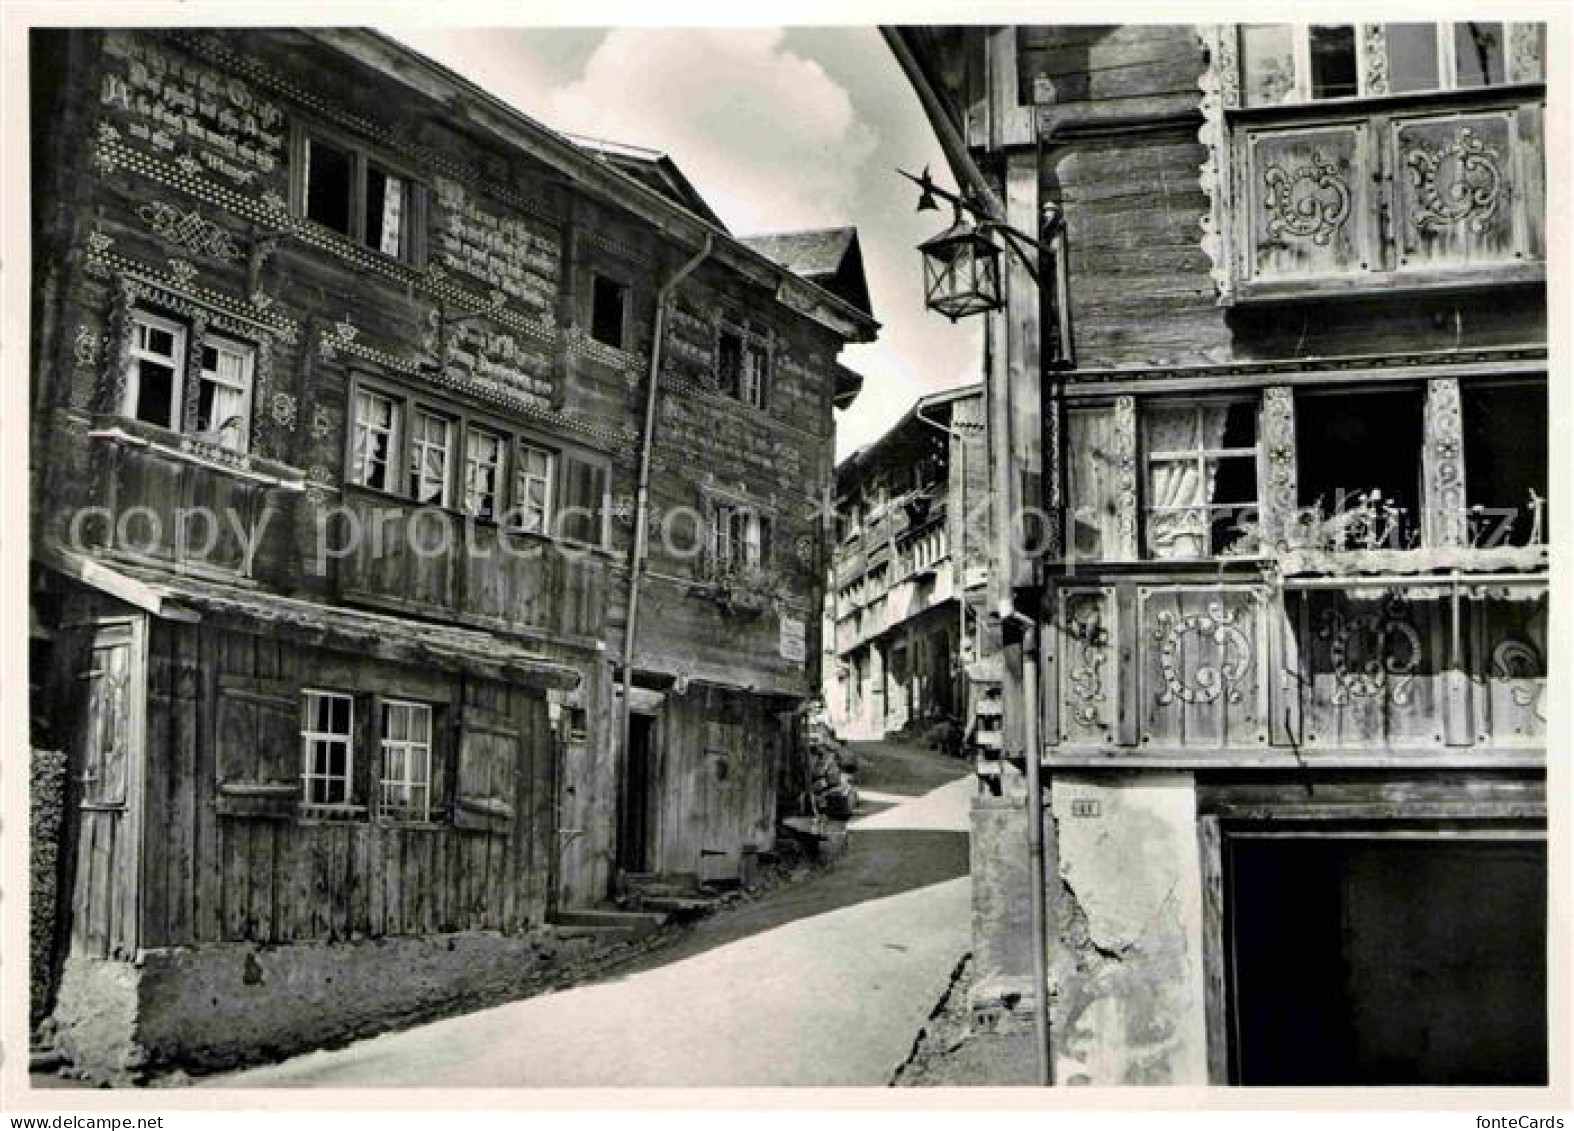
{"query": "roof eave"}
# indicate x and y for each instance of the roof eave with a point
(486, 111)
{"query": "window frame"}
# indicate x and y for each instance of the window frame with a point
(750, 342)
(1201, 456)
(522, 444)
(394, 461)
(363, 157)
(179, 362)
(500, 468)
(1416, 519)
(462, 420)
(347, 739)
(738, 526)
(599, 275)
(1445, 45)
(189, 375)
(219, 344)
(407, 813)
(416, 447)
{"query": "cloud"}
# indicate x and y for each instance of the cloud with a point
(770, 140)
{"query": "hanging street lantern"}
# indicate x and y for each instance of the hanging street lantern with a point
(961, 270)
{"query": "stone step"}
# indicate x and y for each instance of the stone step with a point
(680, 906)
(635, 923)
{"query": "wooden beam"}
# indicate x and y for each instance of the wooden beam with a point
(122, 587)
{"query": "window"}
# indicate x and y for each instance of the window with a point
(384, 211)
(1505, 431)
(343, 189)
(1412, 57)
(327, 747)
(1358, 462)
(741, 538)
(742, 363)
(1331, 55)
(1478, 54)
(159, 389)
(430, 439)
(533, 490)
(375, 440)
(1283, 63)
(224, 393)
(1201, 462)
(483, 472)
(583, 513)
(155, 371)
(329, 179)
(608, 307)
(751, 388)
(488, 470)
(405, 791)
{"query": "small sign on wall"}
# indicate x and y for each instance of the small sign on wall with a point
(791, 642)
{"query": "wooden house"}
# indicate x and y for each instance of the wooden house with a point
(1282, 382)
(349, 381)
(908, 571)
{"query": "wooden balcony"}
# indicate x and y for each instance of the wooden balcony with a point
(179, 503)
(1348, 671)
(427, 561)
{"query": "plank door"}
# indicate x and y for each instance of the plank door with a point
(109, 761)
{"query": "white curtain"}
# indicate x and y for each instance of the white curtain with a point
(393, 210)
(1181, 480)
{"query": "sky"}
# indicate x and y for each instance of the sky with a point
(778, 128)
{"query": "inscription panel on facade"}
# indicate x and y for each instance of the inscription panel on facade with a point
(513, 254)
(205, 120)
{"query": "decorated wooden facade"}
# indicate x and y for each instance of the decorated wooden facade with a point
(908, 572)
(339, 392)
(1288, 373)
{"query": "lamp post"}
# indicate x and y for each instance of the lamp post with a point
(962, 278)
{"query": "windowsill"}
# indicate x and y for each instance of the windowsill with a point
(131, 433)
(308, 814)
(1423, 560)
(399, 824)
(1529, 560)
(1404, 280)
(349, 242)
(465, 518)
(1389, 103)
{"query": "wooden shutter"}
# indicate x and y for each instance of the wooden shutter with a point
(258, 754)
(486, 776)
(584, 500)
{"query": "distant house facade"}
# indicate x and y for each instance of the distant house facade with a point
(1281, 380)
(342, 419)
(908, 572)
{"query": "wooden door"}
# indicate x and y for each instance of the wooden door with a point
(635, 800)
(108, 763)
(724, 767)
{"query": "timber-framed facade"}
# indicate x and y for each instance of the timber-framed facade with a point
(394, 340)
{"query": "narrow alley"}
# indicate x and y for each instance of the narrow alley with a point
(823, 982)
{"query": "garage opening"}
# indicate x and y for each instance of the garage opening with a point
(1385, 961)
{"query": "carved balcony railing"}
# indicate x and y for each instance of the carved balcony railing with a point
(1341, 670)
(1395, 193)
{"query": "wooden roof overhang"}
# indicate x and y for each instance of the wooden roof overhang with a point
(374, 635)
(600, 179)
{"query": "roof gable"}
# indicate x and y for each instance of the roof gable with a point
(830, 257)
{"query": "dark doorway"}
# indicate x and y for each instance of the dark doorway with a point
(633, 822)
(1366, 961)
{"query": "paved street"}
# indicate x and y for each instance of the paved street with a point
(824, 982)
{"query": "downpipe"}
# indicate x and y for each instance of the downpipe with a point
(639, 552)
(1037, 877)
